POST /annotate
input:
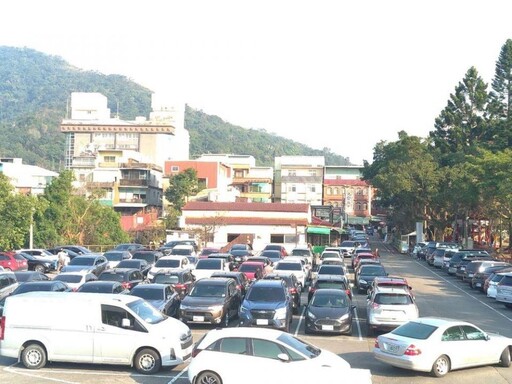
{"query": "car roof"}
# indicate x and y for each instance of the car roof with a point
(214, 280)
(439, 321)
(329, 291)
(158, 286)
(394, 290)
(173, 257)
(277, 283)
(256, 332)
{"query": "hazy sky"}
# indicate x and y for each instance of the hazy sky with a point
(338, 74)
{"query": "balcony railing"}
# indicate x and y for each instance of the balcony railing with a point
(133, 182)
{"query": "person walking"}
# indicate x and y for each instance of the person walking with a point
(62, 259)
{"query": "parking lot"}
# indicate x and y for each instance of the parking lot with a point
(437, 294)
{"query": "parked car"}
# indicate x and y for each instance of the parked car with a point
(212, 300)
(206, 251)
(23, 276)
(8, 283)
(329, 311)
(332, 269)
(161, 296)
(183, 250)
(493, 281)
(151, 257)
(205, 267)
(181, 280)
(11, 261)
(128, 277)
(296, 267)
(267, 303)
(278, 247)
(139, 264)
(303, 251)
(268, 264)
(43, 285)
(476, 266)
(366, 275)
(115, 257)
(287, 358)
(130, 247)
(171, 244)
(504, 291)
(484, 271)
(168, 263)
(294, 288)
(79, 249)
(39, 264)
(274, 255)
(252, 269)
(330, 282)
(388, 308)
(103, 286)
(75, 279)
(39, 253)
(91, 262)
(390, 282)
(71, 253)
(348, 247)
(458, 256)
(229, 260)
(242, 282)
(439, 345)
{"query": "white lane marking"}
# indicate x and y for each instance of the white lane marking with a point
(356, 317)
(463, 291)
(300, 321)
(10, 369)
(178, 376)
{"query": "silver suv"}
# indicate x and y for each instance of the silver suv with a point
(388, 308)
(8, 283)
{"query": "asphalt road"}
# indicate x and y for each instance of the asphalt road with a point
(437, 294)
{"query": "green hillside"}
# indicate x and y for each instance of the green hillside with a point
(34, 94)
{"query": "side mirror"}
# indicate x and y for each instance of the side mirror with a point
(283, 357)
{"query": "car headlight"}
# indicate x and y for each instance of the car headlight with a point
(216, 308)
(361, 281)
(280, 313)
(344, 317)
(184, 307)
(311, 315)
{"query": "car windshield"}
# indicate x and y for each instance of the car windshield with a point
(208, 290)
(392, 299)
(288, 266)
(415, 330)
(82, 261)
(96, 288)
(166, 279)
(167, 263)
(331, 270)
(248, 267)
(306, 349)
(330, 284)
(301, 252)
(148, 293)
(329, 301)
(27, 287)
(268, 294)
(129, 264)
(149, 257)
(181, 251)
(372, 271)
(146, 311)
(112, 277)
(68, 278)
(113, 256)
(209, 264)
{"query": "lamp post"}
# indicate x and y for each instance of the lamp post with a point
(31, 229)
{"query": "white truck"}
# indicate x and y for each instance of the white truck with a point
(39, 327)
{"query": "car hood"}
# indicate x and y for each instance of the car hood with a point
(331, 312)
(269, 305)
(202, 301)
(77, 268)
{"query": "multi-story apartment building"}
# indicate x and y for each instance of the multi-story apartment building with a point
(253, 183)
(26, 179)
(299, 179)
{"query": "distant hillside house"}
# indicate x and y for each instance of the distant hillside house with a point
(26, 179)
(263, 223)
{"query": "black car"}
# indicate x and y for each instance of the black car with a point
(39, 264)
(103, 286)
(43, 285)
(72, 254)
(130, 247)
(242, 282)
(161, 296)
(24, 276)
(140, 264)
(79, 249)
(181, 280)
(128, 277)
(150, 256)
(331, 282)
(293, 285)
(329, 311)
(457, 257)
(366, 275)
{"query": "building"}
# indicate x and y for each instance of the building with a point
(298, 179)
(253, 183)
(221, 223)
(26, 179)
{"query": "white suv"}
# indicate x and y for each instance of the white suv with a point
(388, 308)
(295, 266)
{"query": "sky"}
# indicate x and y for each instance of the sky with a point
(337, 74)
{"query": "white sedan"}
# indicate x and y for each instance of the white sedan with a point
(236, 355)
(439, 345)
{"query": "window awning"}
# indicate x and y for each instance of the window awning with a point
(318, 230)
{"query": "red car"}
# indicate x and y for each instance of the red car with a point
(278, 247)
(254, 270)
(364, 256)
(11, 261)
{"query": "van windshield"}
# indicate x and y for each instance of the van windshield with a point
(146, 311)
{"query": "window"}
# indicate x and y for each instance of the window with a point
(279, 239)
(359, 192)
(312, 188)
(109, 159)
(312, 172)
(452, 334)
(336, 192)
(473, 333)
(236, 345)
(175, 168)
(292, 188)
(329, 191)
(266, 349)
(292, 172)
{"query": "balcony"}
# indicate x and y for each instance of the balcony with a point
(133, 182)
(99, 184)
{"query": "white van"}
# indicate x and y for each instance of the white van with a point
(39, 327)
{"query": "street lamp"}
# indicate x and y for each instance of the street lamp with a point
(31, 229)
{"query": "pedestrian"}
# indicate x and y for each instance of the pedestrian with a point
(62, 259)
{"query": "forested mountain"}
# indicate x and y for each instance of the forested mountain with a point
(34, 98)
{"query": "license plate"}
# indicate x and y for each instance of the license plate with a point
(197, 318)
(327, 328)
(262, 321)
(478, 285)
(392, 348)
(470, 275)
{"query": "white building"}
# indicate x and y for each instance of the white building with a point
(26, 179)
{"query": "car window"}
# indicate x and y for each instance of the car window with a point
(473, 333)
(266, 349)
(392, 299)
(453, 334)
(415, 330)
(236, 345)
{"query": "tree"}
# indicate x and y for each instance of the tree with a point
(181, 186)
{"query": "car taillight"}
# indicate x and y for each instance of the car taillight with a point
(348, 292)
(376, 343)
(375, 306)
(195, 352)
(412, 350)
(179, 286)
(293, 290)
(2, 327)
(126, 285)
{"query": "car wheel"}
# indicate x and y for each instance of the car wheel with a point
(505, 358)
(33, 356)
(441, 366)
(39, 268)
(147, 361)
(208, 377)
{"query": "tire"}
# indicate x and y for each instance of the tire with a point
(39, 268)
(208, 377)
(441, 366)
(147, 361)
(34, 356)
(505, 358)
